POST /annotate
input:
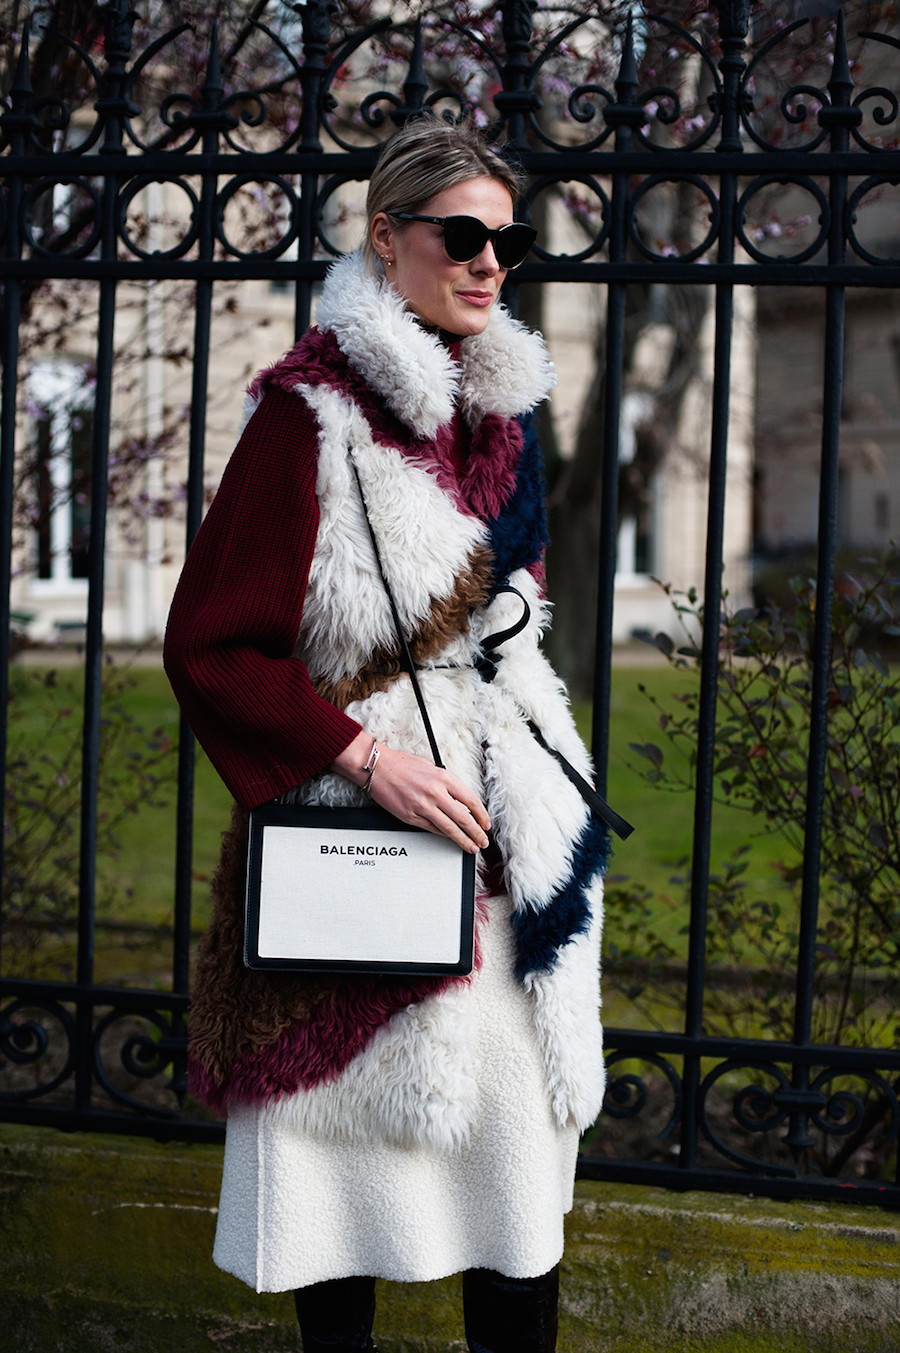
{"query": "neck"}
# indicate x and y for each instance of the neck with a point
(448, 339)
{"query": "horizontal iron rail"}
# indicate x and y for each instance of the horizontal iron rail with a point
(884, 275)
(101, 1120)
(737, 1181)
(137, 998)
(623, 1040)
(347, 164)
(751, 1050)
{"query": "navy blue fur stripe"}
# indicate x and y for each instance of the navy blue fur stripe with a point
(519, 532)
(541, 934)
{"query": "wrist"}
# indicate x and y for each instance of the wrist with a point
(353, 761)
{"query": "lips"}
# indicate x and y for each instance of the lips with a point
(479, 298)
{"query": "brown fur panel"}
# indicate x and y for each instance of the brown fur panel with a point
(233, 1008)
(448, 618)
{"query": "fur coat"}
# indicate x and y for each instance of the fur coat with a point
(361, 1059)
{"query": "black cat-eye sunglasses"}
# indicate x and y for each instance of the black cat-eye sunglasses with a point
(466, 236)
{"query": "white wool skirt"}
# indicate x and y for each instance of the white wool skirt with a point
(296, 1209)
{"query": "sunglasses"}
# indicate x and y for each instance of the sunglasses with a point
(465, 237)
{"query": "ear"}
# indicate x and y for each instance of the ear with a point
(382, 234)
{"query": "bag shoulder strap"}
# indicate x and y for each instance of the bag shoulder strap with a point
(597, 805)
(405, 655)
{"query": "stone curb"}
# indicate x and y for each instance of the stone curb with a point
(105, 1245)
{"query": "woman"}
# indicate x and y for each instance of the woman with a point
(387, 1128)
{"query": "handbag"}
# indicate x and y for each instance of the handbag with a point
(355, 890)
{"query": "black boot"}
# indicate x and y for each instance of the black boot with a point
(337, 1316)
(510, 1315)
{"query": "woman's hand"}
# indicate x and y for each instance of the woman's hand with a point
(418, 792)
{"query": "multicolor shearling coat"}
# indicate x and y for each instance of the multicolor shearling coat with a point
(378, 1059)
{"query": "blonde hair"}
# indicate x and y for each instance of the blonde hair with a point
(423, 158)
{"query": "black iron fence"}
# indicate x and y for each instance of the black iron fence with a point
(61, 1033)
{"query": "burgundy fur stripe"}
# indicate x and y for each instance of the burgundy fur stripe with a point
(492, 455)
(316, 1050)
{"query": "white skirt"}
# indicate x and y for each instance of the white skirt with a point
(296, 1210)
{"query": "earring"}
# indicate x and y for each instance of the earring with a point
(386, 260)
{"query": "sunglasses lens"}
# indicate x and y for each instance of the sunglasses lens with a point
(512, 244)
(464, 237)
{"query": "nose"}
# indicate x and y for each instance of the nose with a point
(485, 263)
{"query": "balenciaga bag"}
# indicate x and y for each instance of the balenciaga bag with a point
(355, 890)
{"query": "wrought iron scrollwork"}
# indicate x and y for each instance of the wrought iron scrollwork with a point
(228, 194)
(415, 99)
(627, 1094)
(842, 1113)
(757, 1109)
(551, 181)
(656, 180)
(796, 181)
(143, 1056)
(327, 191)
(858, 196)
(127, 196)
(670, 110)
(48, 185)
(39, 1036)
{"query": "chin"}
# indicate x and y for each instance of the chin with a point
(468, 325)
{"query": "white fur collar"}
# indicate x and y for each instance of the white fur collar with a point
(506, 370)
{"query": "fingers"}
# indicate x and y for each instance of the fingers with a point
(455, 819)
(425, 796)
(442, 825)
(471, 802)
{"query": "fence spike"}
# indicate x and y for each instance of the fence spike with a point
(415, 86)
(840, 68)
(22, 83)
(627, 78)
(213, 88)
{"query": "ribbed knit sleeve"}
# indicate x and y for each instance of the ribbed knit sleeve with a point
(236, 614)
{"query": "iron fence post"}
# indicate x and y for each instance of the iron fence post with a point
(113, 107)
(626, 115)
(734, 21)
(316, 20)
(18, 124)
(517, 98)
(839, 116)
(211, 118)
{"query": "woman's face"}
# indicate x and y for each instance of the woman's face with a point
(454, 296)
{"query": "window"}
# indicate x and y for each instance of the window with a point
(882, 512)
(634, 548)
(62, 433)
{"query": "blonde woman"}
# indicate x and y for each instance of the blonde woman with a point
(385, 1127)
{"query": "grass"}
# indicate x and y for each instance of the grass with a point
(660, 846)
(140, 880)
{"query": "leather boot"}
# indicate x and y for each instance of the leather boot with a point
(337, 1316)
(510, 1315)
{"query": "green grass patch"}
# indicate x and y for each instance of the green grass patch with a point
(658, 852)
(139, 881)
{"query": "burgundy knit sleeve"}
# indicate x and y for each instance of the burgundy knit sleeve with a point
(236, 614)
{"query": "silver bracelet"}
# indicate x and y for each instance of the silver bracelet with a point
(370, 765)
